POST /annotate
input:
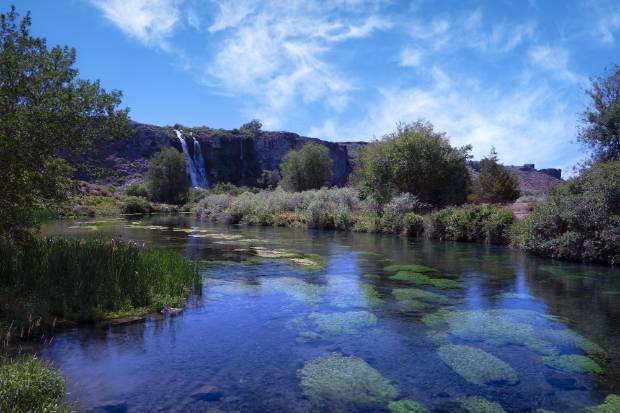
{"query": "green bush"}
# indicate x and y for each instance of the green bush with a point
(167, 177)
(477, 223)
(417, 160)
(137, 189)
(393, 217)
(413, 224)
(88, 280)
(495, 184)
(136, 205)
(308, 168)
(102, 205)
(579, 220)
(30, 385)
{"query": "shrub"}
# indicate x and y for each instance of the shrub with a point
(308, 168)
(137, 189)
(167, 177)
(417, 160)
(392, 220)
(413, 224)
(102, 205)
(479, 223)
(579, 220)
(495, 184)
(136, 205)
(31, 385)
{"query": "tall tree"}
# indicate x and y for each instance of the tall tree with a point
(417, 160)
(168, 180)
(308, 168)
(495, 184)
(601, 121)
(45, 111)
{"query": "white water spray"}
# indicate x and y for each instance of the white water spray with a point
(196, 165)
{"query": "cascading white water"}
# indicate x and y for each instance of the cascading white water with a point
(197, 169)
(200, 164)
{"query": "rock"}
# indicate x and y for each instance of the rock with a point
(172, 310)
(208, 393)
(122, 321)
(112, 406)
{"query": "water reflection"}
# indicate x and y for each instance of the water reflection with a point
(259, 320)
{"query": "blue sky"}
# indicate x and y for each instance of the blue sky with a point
(509, 74)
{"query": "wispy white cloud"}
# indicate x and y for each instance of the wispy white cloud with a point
(556, 61)
(606, 19)
(151, 22)
(410, 57)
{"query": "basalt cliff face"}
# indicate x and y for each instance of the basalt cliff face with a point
(233, 156)
(239, 156)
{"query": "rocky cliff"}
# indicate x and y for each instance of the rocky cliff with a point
(239, 156)
(234, 156)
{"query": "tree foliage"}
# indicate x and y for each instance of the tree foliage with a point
(579, 220)
(495, 184)
(601, 130)
(308, 168)
(167, 179)
(45, 111)
(417, 160)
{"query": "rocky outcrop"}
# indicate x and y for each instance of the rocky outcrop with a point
(532, 181)
(230, 155)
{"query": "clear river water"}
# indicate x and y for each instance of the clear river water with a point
(303, 321)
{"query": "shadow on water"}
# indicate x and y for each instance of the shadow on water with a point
(480, 320)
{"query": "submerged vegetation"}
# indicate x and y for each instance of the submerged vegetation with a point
(477, 366)
(406, 406)
(339, 381)
(481, 405)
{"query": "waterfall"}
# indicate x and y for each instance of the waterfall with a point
(197, 169)
(200, 164)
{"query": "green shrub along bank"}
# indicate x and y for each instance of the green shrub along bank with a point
(43, 280)
(30, 385)
(477, 223)
(579, 220)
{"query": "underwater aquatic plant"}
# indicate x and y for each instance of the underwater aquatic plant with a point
(476, 366)
(403, 294)
(509, 326)
(481, 405)
(419, 278)
(296, 289)
(406, 406)
(349, 322)
(309, 261)
(573, 363)
(338, 381)
(409, 267)
(611, 405)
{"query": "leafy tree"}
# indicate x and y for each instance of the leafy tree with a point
(579, 220)
(308, 168)
(251, 128)
(417, 160)
(45, 111)
(601, 130)
(495, 184)
(167, 178)
(269, 179)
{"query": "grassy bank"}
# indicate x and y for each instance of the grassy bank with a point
(342, 209)
(43, 281)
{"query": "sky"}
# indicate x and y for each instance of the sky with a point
(505, 74)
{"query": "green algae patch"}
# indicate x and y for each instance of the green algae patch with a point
(372, 276)
(338, 381)
(611, 405)
(308, 261)
(296, 289)
(481, 405)
(403, 294)
(516, 296)
(419, 278)
(366, 295)
(410, 268)
(573, 363)
(350, 322)
(406, 406)
(477, 366)
(511, 326)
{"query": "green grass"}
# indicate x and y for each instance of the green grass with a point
(89, 280)
(31, 385)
